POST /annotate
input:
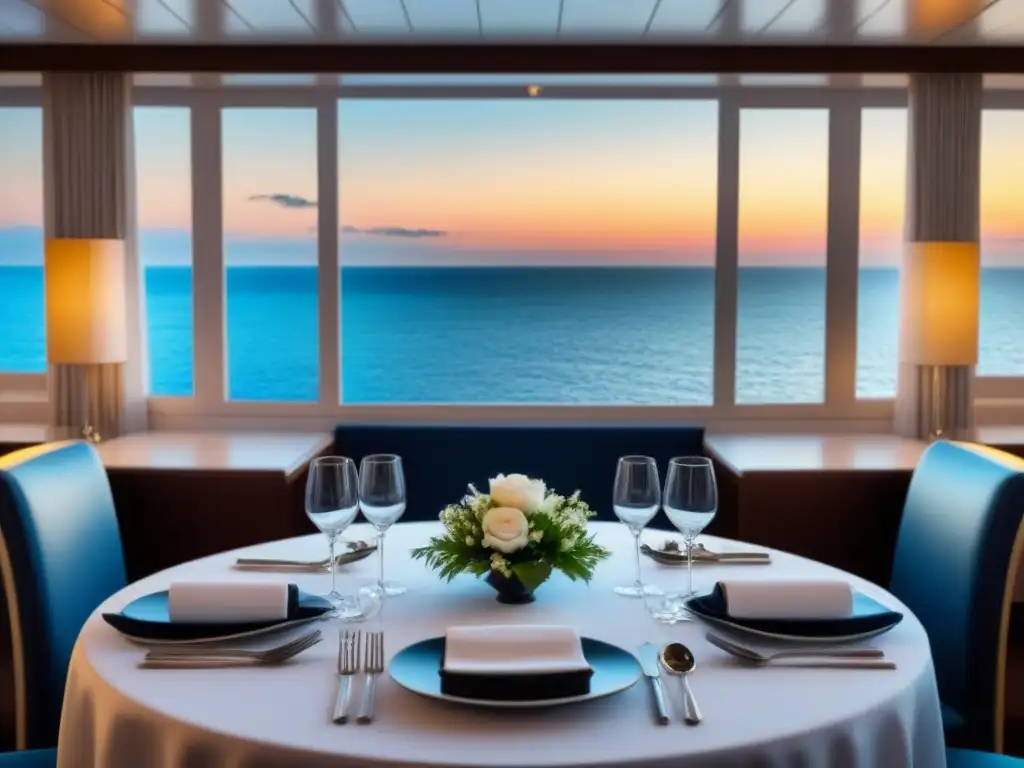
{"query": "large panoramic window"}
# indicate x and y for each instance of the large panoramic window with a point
(163, 167)
(270, 256)
(527, 251)
(783, 215)
(22, 317)
(1001, 350)
(883, 184)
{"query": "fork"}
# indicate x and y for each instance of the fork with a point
(373, 665)
(194, 656)
(758, 657)
(348, 664)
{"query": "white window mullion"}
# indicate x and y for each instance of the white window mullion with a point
(842, 256)
(208, 329)
(328, 274)
(727, 253)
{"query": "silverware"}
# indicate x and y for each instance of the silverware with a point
(761, 658)
(677, 659)
(648, 655)
(185, 656)
(373, 665)
(703, 556)
(358, 550)
(349, 645)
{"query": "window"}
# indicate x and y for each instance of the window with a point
(883, 184)
(163, 167)
(22, 315)
(527, 251)
(270, 219)
(1001, 346)
(780, 344)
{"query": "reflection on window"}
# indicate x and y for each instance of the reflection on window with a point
(527, 251)
(883, 183)
(1001, 350)
(163, 166)
(270, 219)
(780, 344)
(23, 340)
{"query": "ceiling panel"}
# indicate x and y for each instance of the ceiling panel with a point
(606, 17)
(375, 17)
(443, 17)
(519, 17)
(686, 17)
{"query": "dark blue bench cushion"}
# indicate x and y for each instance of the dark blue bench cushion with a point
(31, 758)
(440, 460)
(962, 758)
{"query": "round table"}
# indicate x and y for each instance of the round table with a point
(117, 715)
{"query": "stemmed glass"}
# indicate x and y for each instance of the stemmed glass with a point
(332, 503)
(635, 500)
(690, 501)
(382, 500)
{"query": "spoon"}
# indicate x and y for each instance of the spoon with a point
(678, 660)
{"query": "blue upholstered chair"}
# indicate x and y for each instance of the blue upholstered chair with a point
(965, 758)
(60, 557)
(954, 567)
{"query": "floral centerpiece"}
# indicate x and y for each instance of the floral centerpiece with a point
(517, 535)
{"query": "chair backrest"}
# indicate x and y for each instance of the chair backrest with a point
(60, 557)
(955, 565)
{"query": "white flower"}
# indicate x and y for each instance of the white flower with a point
(519, 491)
(505, 529)
(469, 541)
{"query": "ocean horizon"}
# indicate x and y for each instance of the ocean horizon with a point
(574, 335)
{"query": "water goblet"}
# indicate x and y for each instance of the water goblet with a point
(332, 503)
(635, 500)
(690, 502)
(382, 501)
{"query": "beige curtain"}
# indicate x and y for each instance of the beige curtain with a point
(87, 124)
(943, 204)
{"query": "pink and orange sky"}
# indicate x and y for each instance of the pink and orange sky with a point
(531, 182)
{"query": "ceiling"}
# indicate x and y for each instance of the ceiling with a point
(816, 22)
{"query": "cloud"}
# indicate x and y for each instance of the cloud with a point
(286, 201)
(393, 232)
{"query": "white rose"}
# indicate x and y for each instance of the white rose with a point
(505, 529)
(518, 491)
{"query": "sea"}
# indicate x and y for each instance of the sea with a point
(573, 335)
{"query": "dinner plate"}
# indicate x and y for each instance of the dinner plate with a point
(147, 620)
(416, 668)
(869, 619)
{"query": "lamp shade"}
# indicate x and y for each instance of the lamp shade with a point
(85, 301)
(940, 285)
(940, 15)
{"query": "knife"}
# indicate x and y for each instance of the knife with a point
(649, 663)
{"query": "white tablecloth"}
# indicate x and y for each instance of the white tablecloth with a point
(119, 716)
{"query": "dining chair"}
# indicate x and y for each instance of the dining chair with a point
(955, 565)
(60, 557)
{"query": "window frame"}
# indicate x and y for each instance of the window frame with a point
(841, 411)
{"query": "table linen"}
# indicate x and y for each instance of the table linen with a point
(119, 716)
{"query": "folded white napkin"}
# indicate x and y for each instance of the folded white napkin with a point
(513, 649)
(778, 599)
(200, 602)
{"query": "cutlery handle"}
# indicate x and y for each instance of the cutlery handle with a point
(660, 709)
(340, 714)
(369, 694)
(844, 664)
(691, 711)
(258, 562)
(832, 653)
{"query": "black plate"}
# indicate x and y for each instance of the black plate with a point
(417, 668)
(148, 618)
(869, 617)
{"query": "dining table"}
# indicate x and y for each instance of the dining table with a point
(118, 714)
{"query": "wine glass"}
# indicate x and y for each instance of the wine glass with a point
(382, 500)
(690, 501)
(635, 500)
(332, 503)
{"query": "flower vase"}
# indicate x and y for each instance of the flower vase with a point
(511, 591)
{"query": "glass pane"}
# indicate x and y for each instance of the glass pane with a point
(1001, 351)
(243, 17)
(883, 184)
(780, 344)
(22, 317)
(782, 17)
(527, 251)
(163, 167)
(270, 219)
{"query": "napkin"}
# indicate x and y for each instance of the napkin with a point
(778, 599)
(514, 663)
(197, 602)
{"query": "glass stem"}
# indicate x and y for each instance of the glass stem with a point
(333, 566)
(639, 583)
(689, 566)
(380, 561)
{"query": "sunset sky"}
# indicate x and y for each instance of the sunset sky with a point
(523, 182)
